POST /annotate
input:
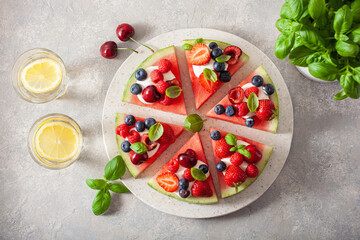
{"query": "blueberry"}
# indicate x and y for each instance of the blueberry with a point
(249, 122)
(140, 126)
(140, 74)
(213, 45)
(215, 135)
(149, 122)
(230, 111)
(125, 146)
(216, 52)
(268, 89)
(225, 76)
(129, 120)
(184, 193)
(219, 67)
(220, 166)
(219, 109)
(135, 89)
(204, 168)
(257, 81)
(183, 183)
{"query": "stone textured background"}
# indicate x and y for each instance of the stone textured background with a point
(316, 196)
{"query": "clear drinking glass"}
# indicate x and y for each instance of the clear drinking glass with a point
(28, 59)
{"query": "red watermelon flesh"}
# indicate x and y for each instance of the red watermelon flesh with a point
(193, 143)
(178, 105)
(200, 94)
(136, 170)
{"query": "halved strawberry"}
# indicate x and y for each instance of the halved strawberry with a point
(266, 110)
(209, 85)
(168, 181)
(200, 54)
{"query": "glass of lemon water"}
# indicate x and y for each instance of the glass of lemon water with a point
(39, 76)
(55, 141)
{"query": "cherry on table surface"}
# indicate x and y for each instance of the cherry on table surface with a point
(125, 32)
(109, 49)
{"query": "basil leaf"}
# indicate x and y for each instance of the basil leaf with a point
(155, 132)
(284, 25)
(223, 58)
(210, 75)
(310, 38)
(101, 202)
(324, 71)
(194, 123)
(231, 139)
(233, 149)
(346, 82)
(115, 169)
(299, 55)
(355, 36)
(355, 10)
(355, 92)
(296, 8)
(340, 95)
(347, 49)
(343, 20)
(356, 74)
(187, 46)
(96, 183)
(317, 8)
(285, 11)
(139, 147)
(252, 102)
(244, 152)
(173, 91)
(118, 188)
(197, 174)
(283, 45)
(241, 146)
(199, 40)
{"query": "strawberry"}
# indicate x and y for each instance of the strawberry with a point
(168, 181)
(133, 136)
(237, 159)
(168, 136)
(266, 110)
(173, 165)
(222, 149)
(156, 76)
(251, 90)
(209, 85)
(199, 54)
(234, 175)
(187, 175)
(255, 154)
(165, 100)
(161, 86)
(122, 130)
(164, 65)
(201, 189)
(242, 109)
(234, 52)
(252, 171)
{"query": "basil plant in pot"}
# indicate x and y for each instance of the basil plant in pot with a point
(323, 35)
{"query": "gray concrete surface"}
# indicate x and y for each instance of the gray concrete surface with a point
(316, 196)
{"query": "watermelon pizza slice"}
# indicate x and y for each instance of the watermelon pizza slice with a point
(239, 161)
(156, 83)
(141, 141)
(253, 103)
(186, 176)
(211, 64)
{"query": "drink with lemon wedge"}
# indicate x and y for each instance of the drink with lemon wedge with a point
(55, 141)
(38, 76)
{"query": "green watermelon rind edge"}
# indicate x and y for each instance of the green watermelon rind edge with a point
(230, 191)
(149, 61)
(202, 200)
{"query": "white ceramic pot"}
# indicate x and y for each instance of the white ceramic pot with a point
(305, 72)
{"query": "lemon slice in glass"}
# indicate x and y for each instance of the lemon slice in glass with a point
(56, 141)
(41, 76)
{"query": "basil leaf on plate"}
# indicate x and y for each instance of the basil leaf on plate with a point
(155, 132)
(187, 46)
(210, 75)
(115, 169)
(244, 152)
(173, 91)
(223, 58)
(139, 147)
(252, 102)
(199, 40)
(231, 139)
(197, 174)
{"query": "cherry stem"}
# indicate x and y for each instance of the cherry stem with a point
(127, 49)
(142, 44)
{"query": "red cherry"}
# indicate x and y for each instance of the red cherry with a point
(191, 153)
(150, 94)
(236, 95)
(125, 31)
(138, 159)
(150, 145)
(108, 49)
(186, 161)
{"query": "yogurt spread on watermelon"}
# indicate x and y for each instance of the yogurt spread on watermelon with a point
(151, 152)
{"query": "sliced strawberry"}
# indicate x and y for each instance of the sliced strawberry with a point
(200, 54)
(168, 181)
(209, 85)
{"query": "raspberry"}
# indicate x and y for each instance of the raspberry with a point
(164, 65)
(201, 189)
(187, 175)
(156, 76)
(252, 171)
(165, 100)
(122, 130)
(161, 86)
(242, 109)
(173, 165)
(222, 149)
(237, 159)
(251, 90)
(234, 175)
(133, 137)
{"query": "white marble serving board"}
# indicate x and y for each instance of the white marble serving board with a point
(281, 141)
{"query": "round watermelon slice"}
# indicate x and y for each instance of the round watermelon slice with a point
(200, 94)
(227, 191)
(135, 170)
(178, 105)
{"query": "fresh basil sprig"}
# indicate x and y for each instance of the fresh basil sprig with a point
(194, 123)
(114, 170)
(232, 141)
(155, 132)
